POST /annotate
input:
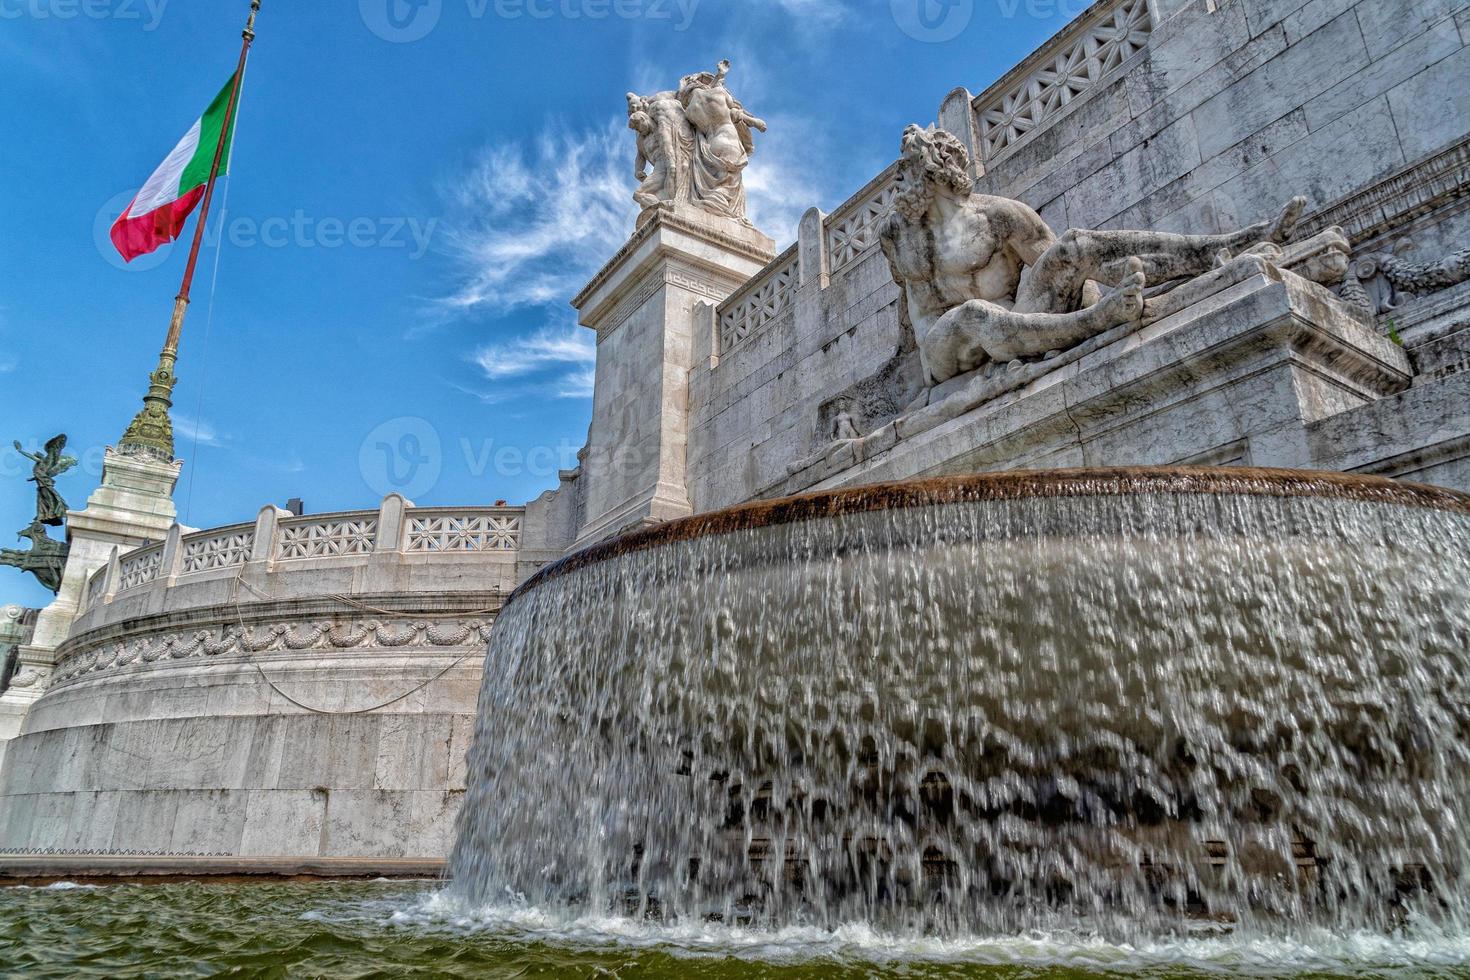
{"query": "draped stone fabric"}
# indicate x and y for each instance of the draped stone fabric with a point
(693, 146)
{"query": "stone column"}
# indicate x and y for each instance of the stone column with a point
(134, 506)
(643, 306)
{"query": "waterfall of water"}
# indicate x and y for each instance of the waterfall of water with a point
(1122, 707)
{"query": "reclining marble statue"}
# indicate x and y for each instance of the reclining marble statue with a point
(986, 281)
(694, 144)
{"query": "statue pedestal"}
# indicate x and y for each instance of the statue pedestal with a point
(642, 306)
(133, 506)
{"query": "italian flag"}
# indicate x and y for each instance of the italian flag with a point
(157, 215)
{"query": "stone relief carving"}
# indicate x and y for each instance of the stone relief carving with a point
(986, 282)
(694, 144)
(235, 641)
(1381, 282)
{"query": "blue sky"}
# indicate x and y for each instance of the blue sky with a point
(414, 201)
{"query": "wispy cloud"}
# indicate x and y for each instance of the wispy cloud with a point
(558, 361)
(532, 221)
(529, 223)
(7, 363)
(196, 431)
(547, 347)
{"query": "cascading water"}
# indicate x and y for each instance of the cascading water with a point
(1121, 701)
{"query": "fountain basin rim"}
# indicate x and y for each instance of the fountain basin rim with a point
(1012, 485)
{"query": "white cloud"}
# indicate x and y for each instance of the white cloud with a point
(545, 348)
(196, 431)
(530, 222)
(533, 221)
(558, 361)
(7, 363)
(578, 384)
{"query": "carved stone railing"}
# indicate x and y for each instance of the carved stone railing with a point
(140, 567)
(853, 228)
(1077, 60)
(224, 548)
(763, 299)
(334, 536)
(437, 531)
(396, 529)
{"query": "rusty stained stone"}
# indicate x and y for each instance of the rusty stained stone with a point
(1015, 485)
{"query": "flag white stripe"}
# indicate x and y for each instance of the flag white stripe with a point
(162, 188)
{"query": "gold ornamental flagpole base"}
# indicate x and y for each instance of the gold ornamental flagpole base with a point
(152, 431)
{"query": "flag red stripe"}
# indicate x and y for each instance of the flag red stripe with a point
(135, 236)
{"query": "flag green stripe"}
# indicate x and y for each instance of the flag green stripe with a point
(196, 171)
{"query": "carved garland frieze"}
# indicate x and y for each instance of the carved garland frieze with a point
(400, 636)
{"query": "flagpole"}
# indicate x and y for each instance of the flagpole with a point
(151, 432)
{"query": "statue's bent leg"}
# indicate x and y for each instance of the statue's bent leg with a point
(972, 334)
(1055, 284)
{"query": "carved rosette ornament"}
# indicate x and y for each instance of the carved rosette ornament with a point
(694, 144)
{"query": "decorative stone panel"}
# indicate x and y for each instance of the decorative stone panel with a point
(222, 550)
(854, 230)
(464, 532)
(141, 568)
(96, 587)
(1113, 36)
(327, 539)
(758, 304)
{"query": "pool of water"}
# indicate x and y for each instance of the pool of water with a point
(399, 929)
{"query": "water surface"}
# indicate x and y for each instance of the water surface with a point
(363, 930)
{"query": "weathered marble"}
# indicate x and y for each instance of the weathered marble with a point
(694, 144)
(292, 687)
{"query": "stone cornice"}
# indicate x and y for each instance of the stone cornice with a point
(1399, 198)
(671, 221)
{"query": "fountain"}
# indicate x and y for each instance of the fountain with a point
(1118, 700)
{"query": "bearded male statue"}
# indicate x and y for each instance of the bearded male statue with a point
(985, 280)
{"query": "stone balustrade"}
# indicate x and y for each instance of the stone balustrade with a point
(1030, 96)
(395, 529)
(827, 248)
